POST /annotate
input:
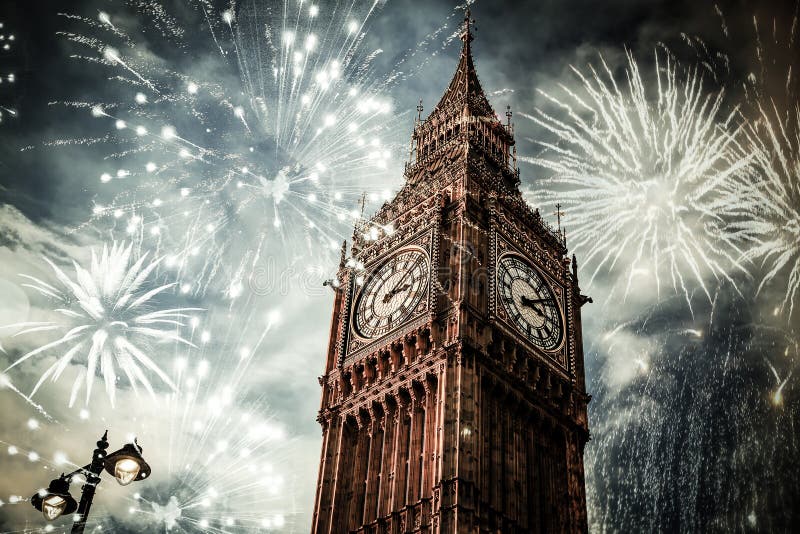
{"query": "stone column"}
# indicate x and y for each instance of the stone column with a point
(374, 465)
(342, 484)
(330, 442)
(387, 463)
(428, 452)
(401, 458)
(417, 446)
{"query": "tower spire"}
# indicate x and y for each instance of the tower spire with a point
(465, 87)
(466, 38)
(466, 31)
(464, 116)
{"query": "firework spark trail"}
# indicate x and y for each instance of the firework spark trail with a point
(334, 119)
(109, 317)
(641, 167)
(777, 395)
(5, 382)
(7, 75)
(767, 202)
(226, 467)
(668, 392)
(267, 148)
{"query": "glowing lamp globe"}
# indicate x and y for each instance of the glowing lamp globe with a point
(53, 506)
(127, 464)
(55, 501)
(126, 471)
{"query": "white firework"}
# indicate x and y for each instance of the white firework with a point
(7, 75)
(222, 461)
(228, 467)
(253, 137)
(767, 202)
(228, 473)
(110, 318)
(764, 204)
(640, 166)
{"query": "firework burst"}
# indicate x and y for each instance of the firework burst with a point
(109, 316)
(255, 136)
(227, 472)
(767, 200)
(221, 459)
(227, 468)
(640, 167)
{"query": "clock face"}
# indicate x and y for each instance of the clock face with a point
(392, 293)
(529, 302)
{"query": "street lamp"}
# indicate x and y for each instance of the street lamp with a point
(55, 500)
(126, 464)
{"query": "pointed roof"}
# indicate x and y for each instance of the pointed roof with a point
(465, 88)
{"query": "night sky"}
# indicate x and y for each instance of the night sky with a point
(686, 433)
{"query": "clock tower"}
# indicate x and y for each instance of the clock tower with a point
(454, 399)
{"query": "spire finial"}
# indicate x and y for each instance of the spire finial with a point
(558, 213)
(466, 33)
(343, 255)
(363, 202)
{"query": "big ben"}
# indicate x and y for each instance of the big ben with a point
(454, 397)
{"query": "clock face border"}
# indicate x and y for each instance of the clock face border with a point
(553, 287)
(419, 301)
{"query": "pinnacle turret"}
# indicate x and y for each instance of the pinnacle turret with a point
(465, 87)
(464, 117)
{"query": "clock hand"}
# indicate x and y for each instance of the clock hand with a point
(537, 310)
(394, 291)
(389, 294)
(528, 302)
(397, 288)
(525, 301)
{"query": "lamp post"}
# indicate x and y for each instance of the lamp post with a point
(126, 464)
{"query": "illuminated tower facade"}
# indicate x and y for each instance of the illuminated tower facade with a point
(454, 398)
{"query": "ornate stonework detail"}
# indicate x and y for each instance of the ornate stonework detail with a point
(453, 419)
